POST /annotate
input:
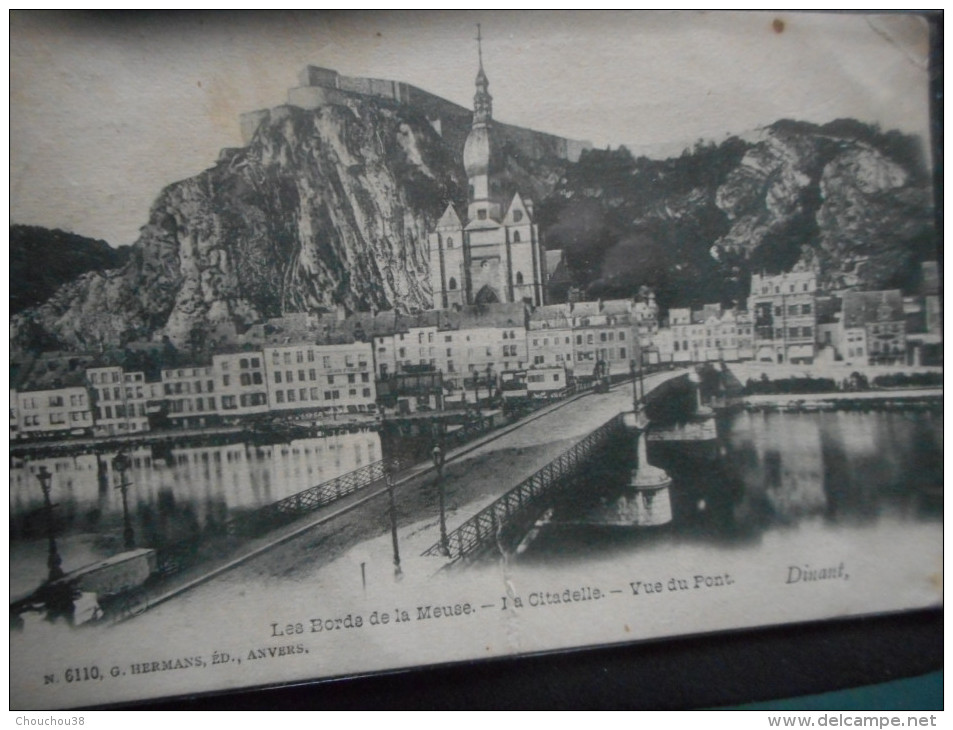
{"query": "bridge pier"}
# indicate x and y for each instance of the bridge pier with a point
(649, 503)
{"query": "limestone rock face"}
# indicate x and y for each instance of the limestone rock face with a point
(845, 200)
(325, 207)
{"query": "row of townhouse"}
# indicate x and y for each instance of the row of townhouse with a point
(295, 377)
(789, 322)
(106, 400)
(280, 367)
(704, 335)
(580, 335)
(333, 364)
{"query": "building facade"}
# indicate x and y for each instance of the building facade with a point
(874, 328)
(308, 377)
(785, 318)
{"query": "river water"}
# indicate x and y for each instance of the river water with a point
(175, 494)
(766, 472)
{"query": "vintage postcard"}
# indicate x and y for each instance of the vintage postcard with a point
(348, 342)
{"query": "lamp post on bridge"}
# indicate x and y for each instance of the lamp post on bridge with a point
(438, 460)
(121, 464)
(389, 481)
(53, 561)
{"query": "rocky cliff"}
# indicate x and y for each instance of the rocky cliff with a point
(332, 206)
(844, 199)
(324, 207)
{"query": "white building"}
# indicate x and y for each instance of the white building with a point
(118, 399)
(189, 395)
(311, 377)
(61, 410)
(240, 383)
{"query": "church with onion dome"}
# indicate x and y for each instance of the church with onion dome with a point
(492, 253)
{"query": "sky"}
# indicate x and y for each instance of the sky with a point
(106, 109)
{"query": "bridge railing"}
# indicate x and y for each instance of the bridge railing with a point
(514, 513)
(174, 557)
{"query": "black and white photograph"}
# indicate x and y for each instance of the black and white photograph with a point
(349, 342)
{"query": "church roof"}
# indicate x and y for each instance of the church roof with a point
(516, 204)
(449, 219)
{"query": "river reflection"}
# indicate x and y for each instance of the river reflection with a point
(175, 493)
(768, 471)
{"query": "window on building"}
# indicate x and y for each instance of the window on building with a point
(330, 380)
(516, 238)
(325, 361)
(289, 376)
(277, 376)
(245, 378)
(519, 277)
(279, 396)
(481, 214)
(291, 396)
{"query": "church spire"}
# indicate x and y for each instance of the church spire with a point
(482, 101)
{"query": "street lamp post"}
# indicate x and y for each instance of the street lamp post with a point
(438, 460)
(389, 480)
(54, 562)
(121, 464)
(642, 373)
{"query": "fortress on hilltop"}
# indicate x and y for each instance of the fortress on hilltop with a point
(321, 86)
